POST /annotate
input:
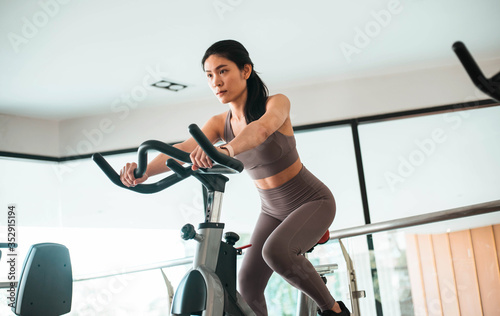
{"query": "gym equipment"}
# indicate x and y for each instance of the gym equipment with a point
(45, 284)
(489, 86)
(209, 288)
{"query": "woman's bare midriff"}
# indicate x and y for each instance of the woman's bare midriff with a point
(279, 178)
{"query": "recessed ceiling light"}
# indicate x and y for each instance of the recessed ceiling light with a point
(169, 85)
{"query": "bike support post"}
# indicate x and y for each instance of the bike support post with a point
(354, 293)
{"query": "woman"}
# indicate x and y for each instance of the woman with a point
(297, 208)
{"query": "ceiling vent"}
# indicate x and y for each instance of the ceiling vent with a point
(169, 85)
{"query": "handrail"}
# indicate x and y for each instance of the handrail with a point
(459, 212)
(154, 266)
(164, 264)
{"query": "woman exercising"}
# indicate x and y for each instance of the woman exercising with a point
(297, 208)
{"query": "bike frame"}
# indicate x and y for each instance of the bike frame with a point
(209, 287)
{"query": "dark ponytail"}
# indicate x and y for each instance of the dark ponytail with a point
(258, 93)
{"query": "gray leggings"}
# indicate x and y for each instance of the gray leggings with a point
(294, 217)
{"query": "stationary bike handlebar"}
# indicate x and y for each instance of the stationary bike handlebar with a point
(234, 165)
(224, 164)
(489, 86)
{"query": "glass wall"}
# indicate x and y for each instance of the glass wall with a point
(431, 163)
(329, 154)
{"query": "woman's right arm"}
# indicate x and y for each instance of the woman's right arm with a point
(212, 129)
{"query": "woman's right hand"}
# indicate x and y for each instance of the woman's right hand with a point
(127, 175)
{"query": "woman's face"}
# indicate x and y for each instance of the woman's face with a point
(226, 80)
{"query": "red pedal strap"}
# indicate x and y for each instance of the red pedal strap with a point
(244, 247)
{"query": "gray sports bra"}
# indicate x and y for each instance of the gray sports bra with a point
(274, 155)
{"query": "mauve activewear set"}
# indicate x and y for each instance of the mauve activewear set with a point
(294, 216)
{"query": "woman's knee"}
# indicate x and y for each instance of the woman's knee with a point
(275, 253)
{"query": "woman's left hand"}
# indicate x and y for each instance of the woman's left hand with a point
(200, 159)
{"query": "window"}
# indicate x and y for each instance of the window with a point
(329, 154)
(431, 163)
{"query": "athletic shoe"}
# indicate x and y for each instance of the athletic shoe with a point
(344, 311)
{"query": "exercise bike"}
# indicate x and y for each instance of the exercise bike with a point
(209, 288)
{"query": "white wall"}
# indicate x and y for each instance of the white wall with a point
(29, 136)
(313, 103)
(334, 101)
(120, 130)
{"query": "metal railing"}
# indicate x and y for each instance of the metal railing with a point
(429, 218)
(154, 266)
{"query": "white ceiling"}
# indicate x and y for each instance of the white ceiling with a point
(66, 59)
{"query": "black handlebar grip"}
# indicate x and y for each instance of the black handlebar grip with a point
(490, 86)
(469, 63)
(211, 152)
(107, 169)
(142, 155)
(142, 188)
(178, 169)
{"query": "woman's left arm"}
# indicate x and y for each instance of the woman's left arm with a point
(255, 133)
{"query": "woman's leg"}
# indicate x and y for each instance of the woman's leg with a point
(254, 272)
(299, 232)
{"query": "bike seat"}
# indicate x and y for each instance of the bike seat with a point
(323, 240)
